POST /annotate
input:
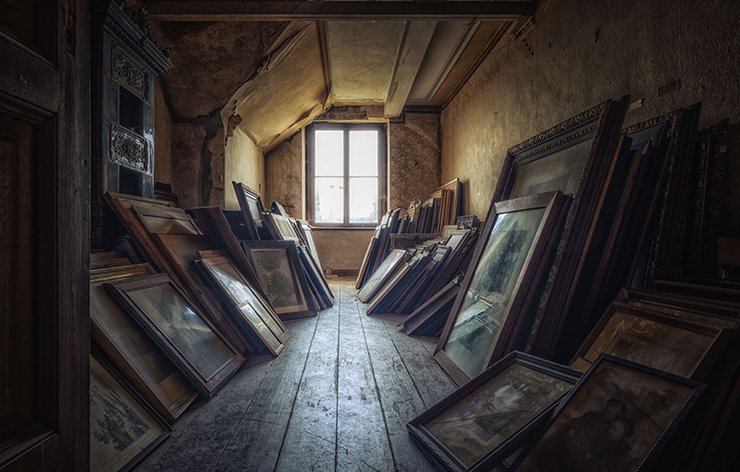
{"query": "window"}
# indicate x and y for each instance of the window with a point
(345, 174)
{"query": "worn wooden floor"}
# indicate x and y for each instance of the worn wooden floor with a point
(337, 398)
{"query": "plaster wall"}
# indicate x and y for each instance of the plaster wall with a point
(578, 54)
(162, 136)
(341, 251)
(284, 175)
(245, 163)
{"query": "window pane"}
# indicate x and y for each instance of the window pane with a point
(363, 153)
(363, 200)
(329, 200)
(329, 153)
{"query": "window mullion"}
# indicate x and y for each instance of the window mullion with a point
(346, 176)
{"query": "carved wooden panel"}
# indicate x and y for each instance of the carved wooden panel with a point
(127, 72)
(129, 149)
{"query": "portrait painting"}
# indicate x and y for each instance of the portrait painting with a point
(648, 338)
(121, 427)
(615, 418)
(490, 289)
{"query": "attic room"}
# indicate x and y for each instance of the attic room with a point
(369, 235)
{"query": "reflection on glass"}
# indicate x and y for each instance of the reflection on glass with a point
(490, 290)
(184, 328)
(243, 294)
(329, 200)
(363, 153)
(481, 421)
(249, 313)
(363, 200)
(329, 152)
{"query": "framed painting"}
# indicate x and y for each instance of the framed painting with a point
(165, 220)
(180, 330)
(308, 236)
(579, 157)
(180, 251)
(315, 278)
(280, 276)
(617, 418)
(658, 341)
(694, 309)
(382, 274)
(252, 209)
(253, 312)
(429, 319)
(131, 350)
(500, 290)
(123, 428)
(482, 423)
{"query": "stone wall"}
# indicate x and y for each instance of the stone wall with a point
(578, 54)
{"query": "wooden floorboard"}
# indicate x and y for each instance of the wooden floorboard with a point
(337, 398)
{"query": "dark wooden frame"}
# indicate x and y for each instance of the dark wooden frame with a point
(444, 458)
(206, 387)
(516, 319)
(244, 195)
(721, 337)
(662, 441)
(205, 263)
(415, 323)
(315, 277)
(711, 312)
(176, 215)
(129, 389)
(601, 124)
(304, 307)
(372, 286)
(382, 170)
(106, 275)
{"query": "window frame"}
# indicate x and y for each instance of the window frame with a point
(346, 127)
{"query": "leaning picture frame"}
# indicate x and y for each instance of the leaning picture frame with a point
(251, 207)
(130, 348)
(123, 427)
(180, 329)
(492, 312)
(247, 306)
(618, 417)
(479, 425)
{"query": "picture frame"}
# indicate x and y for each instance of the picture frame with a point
(618, 417)
(247, 306)
(310, 242)
(382, 274)
(131, 350)
(690, 308)
(482, 423)
(578, 157)
(431, 316)
(252, 209)
(179, 328)
(180, 251)
(662, 342)
(123, 427)
(280, 276)
(492, 311)
(165, 220)
(315, 278)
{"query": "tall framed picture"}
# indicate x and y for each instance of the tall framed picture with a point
(251, 206)
(490, 317)
(189, 340)
(482, 423)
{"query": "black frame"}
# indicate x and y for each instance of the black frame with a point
(346, 127)
(254, 224)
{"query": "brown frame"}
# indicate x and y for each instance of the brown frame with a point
(119, 357)
(315, 277)
(516, 319)
(128, 389)
(205, 263)
(718, 339)
(382, 171)
(303, 308)
(368, 290)
(415, 323)
(206, 386)
(445, 459)
(177, 215)
(244, 195)
(601, 124)
(661, 441)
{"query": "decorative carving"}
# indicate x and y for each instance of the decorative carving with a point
(127, 72)
(129, 149)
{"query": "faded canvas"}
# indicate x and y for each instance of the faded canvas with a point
(276, 277)
(491, 288)
(484, 419)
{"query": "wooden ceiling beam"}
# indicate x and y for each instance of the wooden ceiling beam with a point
(276, 10)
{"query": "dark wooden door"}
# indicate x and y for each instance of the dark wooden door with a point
(44, 248)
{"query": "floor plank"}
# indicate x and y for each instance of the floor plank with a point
(337, 398)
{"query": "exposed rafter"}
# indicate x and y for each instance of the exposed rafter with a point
(274, 10)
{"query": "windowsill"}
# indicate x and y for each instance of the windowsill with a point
(342, 228)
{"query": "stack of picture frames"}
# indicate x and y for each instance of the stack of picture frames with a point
(413, 274)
